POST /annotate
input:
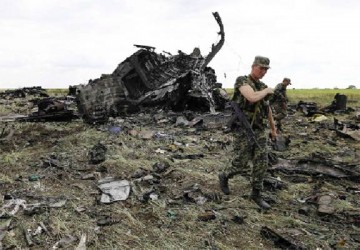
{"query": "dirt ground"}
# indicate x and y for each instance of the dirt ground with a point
(50, 196)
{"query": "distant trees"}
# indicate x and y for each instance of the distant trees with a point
(351, 87)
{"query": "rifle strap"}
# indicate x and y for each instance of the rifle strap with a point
(257, 109)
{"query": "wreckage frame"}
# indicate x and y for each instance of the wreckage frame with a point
(148, 79)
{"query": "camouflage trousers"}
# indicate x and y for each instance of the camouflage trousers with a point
(244, 153)
(280, 111)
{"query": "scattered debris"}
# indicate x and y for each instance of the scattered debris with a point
(50, 109)
(107, 221)
(82, 243)
(207, 216)
(357, 116)
(160, 167)
(23, 92)
(317, 167)
(7, 133)
(281, 143)
(337, 105)
(16, 204)
(65, 242)
(307, 108)
(304, 210)
(280, 239)
(318, 118)
(113, 189)
(350, 131)
(239, 219)
(324, 203)
(28, 238)
(272, 183)
(97, 153)
(114, 130)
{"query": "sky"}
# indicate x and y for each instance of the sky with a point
(57, 43)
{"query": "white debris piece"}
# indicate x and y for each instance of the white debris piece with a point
(113, 190)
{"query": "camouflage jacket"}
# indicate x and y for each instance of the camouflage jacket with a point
(256, 113)
(279, 96)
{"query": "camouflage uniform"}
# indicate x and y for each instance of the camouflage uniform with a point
(278, 102)
(244, 151)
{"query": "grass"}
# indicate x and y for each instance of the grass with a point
(322, 97)
(57, 92)
(171, 221)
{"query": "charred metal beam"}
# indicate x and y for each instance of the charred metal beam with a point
(215, 48)
(149, 48)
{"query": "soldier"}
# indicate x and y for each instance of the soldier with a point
(251, 95)
(279, 102)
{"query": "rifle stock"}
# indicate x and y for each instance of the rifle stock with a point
(245, 123)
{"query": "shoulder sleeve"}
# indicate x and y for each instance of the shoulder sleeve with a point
(279, 92)
(240, 81)
(277, 87)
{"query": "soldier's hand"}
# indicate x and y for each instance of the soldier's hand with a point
(269, 91)
(273, 135)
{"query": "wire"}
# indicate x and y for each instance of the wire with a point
(237, 54)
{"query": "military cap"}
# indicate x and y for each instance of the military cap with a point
(262, 61)
(287, 79)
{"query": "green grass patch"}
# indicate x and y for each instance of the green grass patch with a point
(322, 97)
(57, 92)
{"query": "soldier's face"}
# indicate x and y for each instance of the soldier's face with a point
(286, 83)
(258, 72)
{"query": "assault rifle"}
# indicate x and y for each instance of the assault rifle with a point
(245, 123)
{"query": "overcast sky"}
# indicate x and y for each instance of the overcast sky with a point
(57, 43)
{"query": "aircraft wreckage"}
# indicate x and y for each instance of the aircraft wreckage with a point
(148, 79)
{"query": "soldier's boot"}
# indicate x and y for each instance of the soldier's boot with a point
(224, 183)
(257, 198)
